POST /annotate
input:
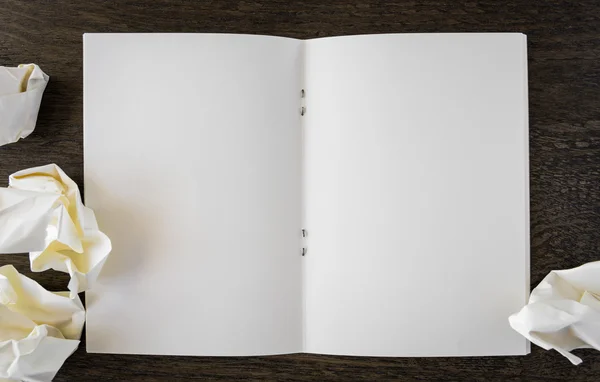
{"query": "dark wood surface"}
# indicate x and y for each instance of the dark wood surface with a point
(564, 94)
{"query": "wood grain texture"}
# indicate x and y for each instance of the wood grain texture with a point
(564, 92)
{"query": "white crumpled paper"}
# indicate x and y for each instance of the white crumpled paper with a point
(21, 91)
(39, 329)
(41, 213)
(563, 311)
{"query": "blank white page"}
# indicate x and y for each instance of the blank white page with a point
(192, 164)
(416, 194)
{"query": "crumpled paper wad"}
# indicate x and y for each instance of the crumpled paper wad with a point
(563, 311)
(39, 329)
(41, 213)
(21, 91)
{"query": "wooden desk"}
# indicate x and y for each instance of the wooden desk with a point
(564, 93)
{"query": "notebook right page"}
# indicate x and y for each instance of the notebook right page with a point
(416, 194)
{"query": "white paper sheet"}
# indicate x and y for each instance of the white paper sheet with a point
(563, 312)
(192, 163)
(416, 194)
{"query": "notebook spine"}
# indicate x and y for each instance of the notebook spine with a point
(302, 113)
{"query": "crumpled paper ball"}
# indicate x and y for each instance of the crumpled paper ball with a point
(563, 312)
(39, 329)
(21, 91)
(41, 213)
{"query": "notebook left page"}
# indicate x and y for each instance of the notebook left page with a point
(192, 152)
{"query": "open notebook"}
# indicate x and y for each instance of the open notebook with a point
(360, 195)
